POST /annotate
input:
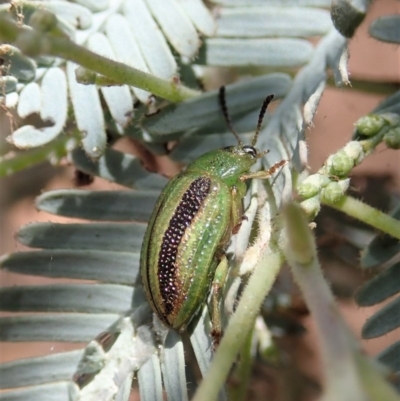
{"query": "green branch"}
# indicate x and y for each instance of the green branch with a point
(240, 325)
(349, 375)
(367, 214)
(34, 43)
(368, 86)
(53, 150)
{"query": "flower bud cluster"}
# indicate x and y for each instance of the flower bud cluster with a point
(332, 180)
(386, 124)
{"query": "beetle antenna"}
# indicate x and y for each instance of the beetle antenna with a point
(264, 107)
(224, 108)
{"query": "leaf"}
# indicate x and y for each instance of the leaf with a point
(150, 382)
(118, 98)
(53, 108)
(201, 341)
(29, 100)
(200, 16)
(48, 392)
(88, 114)
(8, 84)
(152, 44)
(83, 298)
(74, 14)
(380, 287)
(386, 29)
(254, 3)
(119, 167)
(126, 48)
(71, 327)
(272, 53)
(383, 321)
(11, 98)
(75, 263)
(102, 236)
(391, 356)
(390, 104)
(386, 284)
(21, 67)
(176, 26)
(100, 205)
(382, 248)
(249, 22)
(94, 5)
(44, 369)
(204, 111)
(173, 367)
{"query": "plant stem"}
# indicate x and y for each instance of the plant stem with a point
(29, 158)
(240, 325)
(241, 377)
(347, 372)
(36, 43)
(362, 85)
(367, 214)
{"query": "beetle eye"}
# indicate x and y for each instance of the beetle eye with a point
(250, 150)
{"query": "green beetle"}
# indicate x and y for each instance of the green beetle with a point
(191, 226)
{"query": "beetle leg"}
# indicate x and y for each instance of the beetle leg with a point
(218, 282)
(265, 173)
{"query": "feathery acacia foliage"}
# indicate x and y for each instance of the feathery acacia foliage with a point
(94, 72)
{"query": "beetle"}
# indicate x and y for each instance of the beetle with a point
(191, 225)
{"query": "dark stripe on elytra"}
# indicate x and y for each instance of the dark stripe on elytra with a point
(187, 209)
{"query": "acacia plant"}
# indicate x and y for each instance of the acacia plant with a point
(95, 72)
